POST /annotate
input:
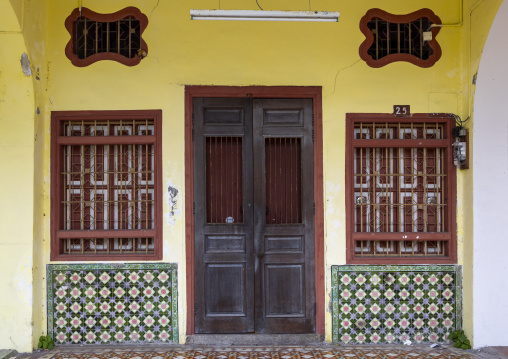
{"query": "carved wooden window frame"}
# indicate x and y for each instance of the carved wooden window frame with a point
(113, 17)
(447, 236)
(399, 19)
(61, 141)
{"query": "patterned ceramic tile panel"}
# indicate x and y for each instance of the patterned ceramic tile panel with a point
(390, 304)
(112, 304)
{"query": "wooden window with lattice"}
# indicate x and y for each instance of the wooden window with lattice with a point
(116, 36)
(106, 185)
(390, 38)
(400, 181)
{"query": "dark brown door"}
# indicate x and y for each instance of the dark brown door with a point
(254, 225)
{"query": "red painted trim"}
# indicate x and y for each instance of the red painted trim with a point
(319, 232)
(408, 236)
(56, 221)
(450, 213)
(400, 143)
(159, 189)
(394, 261)
(105, 257)
(399, 19)
(106, 140)
(107, 115)
(94, 16)
(55, 169)
(452, 195)
(253, 91)
(390, 118)
(312, 92)
(189, 215)
(113, 233)
(349, 184)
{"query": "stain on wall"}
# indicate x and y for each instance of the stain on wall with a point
(172, 199)
(25, 65)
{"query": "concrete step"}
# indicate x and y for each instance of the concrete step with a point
(254, 339)
(7, 353)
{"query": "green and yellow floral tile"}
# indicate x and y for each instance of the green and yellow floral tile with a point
(112, 304)
(389, 304)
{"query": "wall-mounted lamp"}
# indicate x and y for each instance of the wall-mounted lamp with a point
(264, 15)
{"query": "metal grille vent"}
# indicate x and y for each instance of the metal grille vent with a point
(116, 36)
(95, 37)
(394, 38)
(390, 38)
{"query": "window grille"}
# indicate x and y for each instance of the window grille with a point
(391, 38)
(224, 180)
(106, 177)
(115, 36)
(401, 186)
(283, 178)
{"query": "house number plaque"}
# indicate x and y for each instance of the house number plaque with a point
(401, 110)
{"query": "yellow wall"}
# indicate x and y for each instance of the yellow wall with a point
(35, 32)
(255, 53)
(184, 52)
(16, 187)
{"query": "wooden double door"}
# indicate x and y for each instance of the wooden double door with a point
(254, 215)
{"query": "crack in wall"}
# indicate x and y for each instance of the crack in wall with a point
(155, 7)
(337, 75)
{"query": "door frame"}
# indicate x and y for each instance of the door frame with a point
(310, 92)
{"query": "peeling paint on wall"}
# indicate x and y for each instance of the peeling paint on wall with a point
(25, 65)
(172, 201)
(23, 281)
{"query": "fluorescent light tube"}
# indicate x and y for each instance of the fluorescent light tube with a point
(264, 15)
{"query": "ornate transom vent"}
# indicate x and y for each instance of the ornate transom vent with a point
(114, 36)
(391, 304)
(112, 304)
(390, 38)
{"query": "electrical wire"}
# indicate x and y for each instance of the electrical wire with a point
(259, 6)
(458, 120)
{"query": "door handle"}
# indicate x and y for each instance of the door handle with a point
(260, 254)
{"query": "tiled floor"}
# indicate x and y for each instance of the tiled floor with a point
(501, 350)
(264, 352)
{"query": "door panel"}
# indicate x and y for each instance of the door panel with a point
(224, 266)
(283, 244)
(284, 210)
(224, 244)
(225, 289)
(284, 290)
(254, 228)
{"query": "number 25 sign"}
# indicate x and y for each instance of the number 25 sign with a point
(401, 110)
